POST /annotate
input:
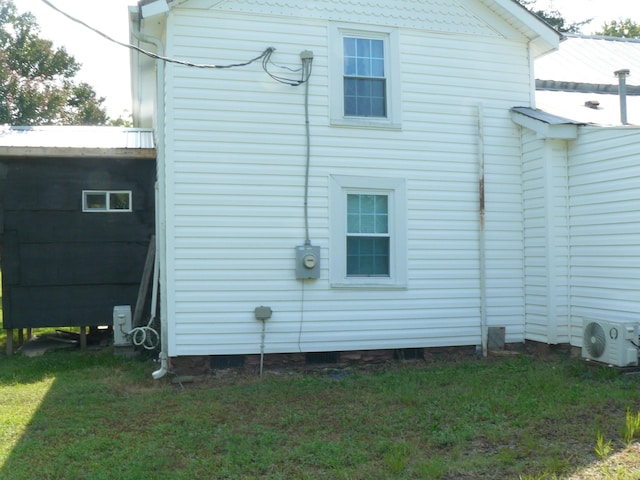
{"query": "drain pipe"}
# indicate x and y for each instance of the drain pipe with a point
(160, 196)
(162, 371)
(482, 237)
(622, 91)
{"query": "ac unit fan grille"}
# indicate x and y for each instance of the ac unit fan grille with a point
(594, 339)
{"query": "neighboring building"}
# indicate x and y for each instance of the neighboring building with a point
(77, 216)
(579, 82)
(415, 174)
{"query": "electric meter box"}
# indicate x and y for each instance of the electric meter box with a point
(307, 262)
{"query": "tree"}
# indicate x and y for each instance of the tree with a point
(36, 80)
(555, 18)
(124, 120)
(621, 28)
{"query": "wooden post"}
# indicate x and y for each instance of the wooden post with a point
(83, 338)
(20, 336)
(144, 283)
(9, 341)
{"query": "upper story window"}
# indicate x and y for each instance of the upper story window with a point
(106, 201)
(364, 79)
(365, 89)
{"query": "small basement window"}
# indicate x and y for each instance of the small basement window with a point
(106, 200)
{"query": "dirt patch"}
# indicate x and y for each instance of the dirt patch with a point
(195, 370)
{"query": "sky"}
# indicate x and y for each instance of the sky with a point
(105, 66)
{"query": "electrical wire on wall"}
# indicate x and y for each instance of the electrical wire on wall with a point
(307, 60)
(265, 56)
(301, 317)
(307, 63)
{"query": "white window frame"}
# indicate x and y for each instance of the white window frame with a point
(107, 193)
(395, 189)
(337, 33)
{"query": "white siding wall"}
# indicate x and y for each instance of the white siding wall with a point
(534, 208)
(545, 232)
(235, 183)
(605, 226)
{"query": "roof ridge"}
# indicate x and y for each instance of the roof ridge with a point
(601, 37)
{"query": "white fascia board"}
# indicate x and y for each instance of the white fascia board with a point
(543, 37)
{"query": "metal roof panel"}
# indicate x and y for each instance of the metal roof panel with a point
(76, 137)
(591, 60)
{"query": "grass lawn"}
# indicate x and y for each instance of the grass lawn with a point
(92, 415)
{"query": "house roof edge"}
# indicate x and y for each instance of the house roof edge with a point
(546, 125)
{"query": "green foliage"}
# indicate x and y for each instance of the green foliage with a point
(632, 427)
(603, 448)
(621, 28)
(557, 21)
(555, 18)
(124, 120)
(36, 79)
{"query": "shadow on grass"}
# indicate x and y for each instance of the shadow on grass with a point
(61, 412)
(96, 416)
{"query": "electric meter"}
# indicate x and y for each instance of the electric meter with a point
(307, 262)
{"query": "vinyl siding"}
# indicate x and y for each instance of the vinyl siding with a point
(605, 226)
(545, 235)
(235, 183)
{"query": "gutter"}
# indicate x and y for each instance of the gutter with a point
(160, 196)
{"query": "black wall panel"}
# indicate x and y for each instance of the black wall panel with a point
(62, 266)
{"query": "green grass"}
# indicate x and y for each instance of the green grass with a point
(75, 415)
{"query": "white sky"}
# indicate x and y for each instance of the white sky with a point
(602, 11)
(106, 65)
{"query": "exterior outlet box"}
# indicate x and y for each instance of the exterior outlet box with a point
(262, 313)
(121, 326)
(307, 262)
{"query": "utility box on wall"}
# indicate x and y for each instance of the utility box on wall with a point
(307, 262)
(121, 325)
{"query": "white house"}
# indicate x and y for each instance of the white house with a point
(382, 197)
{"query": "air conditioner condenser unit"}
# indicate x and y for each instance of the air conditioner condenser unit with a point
(613, 343)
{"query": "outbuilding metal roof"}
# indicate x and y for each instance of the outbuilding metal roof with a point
(578, 80)
(591, 60)
(76, 141)
(589, 108)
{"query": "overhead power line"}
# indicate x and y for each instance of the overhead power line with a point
(266, 54)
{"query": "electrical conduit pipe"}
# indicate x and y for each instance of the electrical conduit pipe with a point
(160, 195)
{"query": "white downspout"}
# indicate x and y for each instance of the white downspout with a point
(160, 198)
(482, 236)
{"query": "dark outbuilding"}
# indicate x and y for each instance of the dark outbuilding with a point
(76, 218)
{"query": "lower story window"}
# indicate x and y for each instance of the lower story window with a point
(368, 231)
(368, 235)
(106, 200)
